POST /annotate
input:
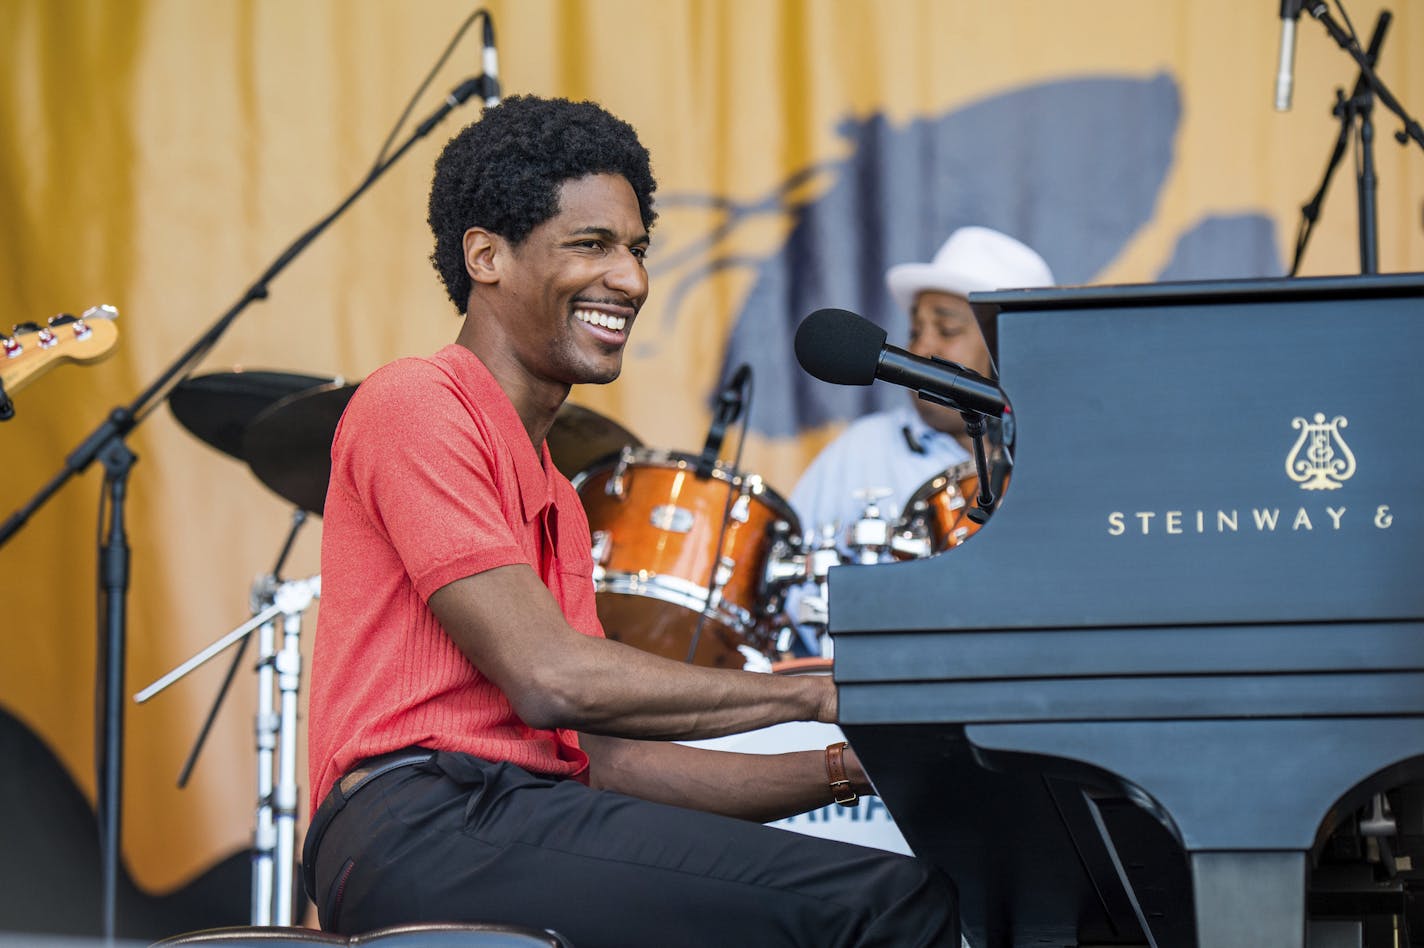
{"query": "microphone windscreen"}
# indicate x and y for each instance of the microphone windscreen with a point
(839, 347)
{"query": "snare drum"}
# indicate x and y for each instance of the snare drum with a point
(938, 509)
(658, 566)
(868, 824)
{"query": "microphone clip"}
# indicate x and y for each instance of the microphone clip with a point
(728, 408)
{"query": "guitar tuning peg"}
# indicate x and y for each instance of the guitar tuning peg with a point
(80, 329)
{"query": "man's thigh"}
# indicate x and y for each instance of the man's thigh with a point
(464, 840)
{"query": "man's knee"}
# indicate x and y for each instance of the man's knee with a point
(919, 906)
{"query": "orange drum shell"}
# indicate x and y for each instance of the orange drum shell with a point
(639, 547)
(943, 503)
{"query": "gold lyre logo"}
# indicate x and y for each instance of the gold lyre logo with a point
(1320, 460)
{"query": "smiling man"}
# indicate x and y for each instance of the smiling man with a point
(479, 749)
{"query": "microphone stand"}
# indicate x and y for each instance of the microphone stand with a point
(1412, 129)
(983, 504)
(107, 444)
(1362, 101)
(1359, 105)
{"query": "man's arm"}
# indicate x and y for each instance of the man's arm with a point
(760, 787)
(508, 625)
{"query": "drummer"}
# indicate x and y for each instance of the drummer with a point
(479, 750)
(900, 449)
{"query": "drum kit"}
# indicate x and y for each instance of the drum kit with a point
(694, 560)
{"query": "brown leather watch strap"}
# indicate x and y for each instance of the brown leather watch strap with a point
(841, 790)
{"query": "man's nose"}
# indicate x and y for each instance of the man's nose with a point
(627, 275)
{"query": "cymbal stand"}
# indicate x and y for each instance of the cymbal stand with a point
(274, 860)
(275, 853)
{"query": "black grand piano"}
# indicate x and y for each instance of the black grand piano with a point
(1172, 693)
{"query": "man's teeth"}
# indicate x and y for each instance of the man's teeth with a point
(615, 323)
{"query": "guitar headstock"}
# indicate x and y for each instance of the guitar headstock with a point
(30, 350)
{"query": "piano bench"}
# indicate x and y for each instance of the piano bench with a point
(433, 935)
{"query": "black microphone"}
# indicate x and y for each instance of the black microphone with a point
(1285, 69)
(842, 348)
(489, 62)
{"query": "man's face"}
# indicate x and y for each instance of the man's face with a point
(577, 284)
(943, 326)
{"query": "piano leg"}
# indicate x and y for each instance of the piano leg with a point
(1240, 894)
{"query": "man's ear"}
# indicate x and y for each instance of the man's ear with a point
(484, 253)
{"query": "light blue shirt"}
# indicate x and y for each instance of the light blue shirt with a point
(873, 451)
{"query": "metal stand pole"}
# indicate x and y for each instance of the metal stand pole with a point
(264, 833)
(289, 674)
(279, 674)
(274, 846)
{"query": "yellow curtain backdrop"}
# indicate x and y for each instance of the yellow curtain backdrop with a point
(158, 154)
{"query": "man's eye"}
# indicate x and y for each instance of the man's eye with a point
(640, 252)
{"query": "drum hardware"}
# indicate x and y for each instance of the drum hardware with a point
(787, 562)
(279, 671)
(911, 541)
(614, 487)
(936, 516)
(812, 608)
(652, 583)
(735, 395)
(672, 518)
(869, 537)
(690, 565)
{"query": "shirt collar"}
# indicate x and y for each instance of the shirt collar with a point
(531, 471)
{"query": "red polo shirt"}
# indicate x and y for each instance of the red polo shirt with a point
(433, 478)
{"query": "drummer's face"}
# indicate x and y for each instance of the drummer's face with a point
(578, 283)
(942, 325)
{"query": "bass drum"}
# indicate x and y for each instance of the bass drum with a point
(868, 824)
(937, 511)
(666, 570)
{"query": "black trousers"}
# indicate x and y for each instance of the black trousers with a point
(460, 839)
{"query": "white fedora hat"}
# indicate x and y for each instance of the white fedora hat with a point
(972, 260)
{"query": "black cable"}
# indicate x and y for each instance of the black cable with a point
(1354, 37)
(425, 84)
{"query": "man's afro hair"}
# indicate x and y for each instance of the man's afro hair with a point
(504, 172)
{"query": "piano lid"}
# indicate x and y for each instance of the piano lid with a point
(1231, 452)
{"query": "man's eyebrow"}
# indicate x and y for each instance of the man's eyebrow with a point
(606, 233)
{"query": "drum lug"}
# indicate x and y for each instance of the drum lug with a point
(723, 576)
(614, 487)
(602, 546)
(785, 563)
(870, 535)
(741, 510)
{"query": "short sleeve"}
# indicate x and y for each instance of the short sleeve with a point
(428, 474)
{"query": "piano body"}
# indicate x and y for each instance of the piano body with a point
(1172, 693)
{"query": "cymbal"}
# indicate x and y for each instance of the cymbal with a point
(217, 408)
(580, 436)
(288, 445)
